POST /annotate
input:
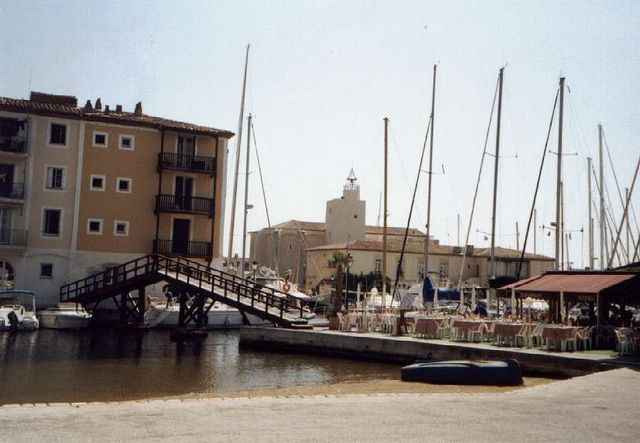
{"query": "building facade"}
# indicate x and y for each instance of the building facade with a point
(87, 188)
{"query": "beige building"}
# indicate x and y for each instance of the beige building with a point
(444, 262)
(88, 187)
(283, 247)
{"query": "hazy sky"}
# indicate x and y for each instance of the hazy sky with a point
(323, 75)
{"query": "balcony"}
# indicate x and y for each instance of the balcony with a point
(14, 191)
(13, 144)
(181, 162)
(180, 204)
(196, 249)
(13, 238)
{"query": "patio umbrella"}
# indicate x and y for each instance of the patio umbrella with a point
(435, 297)
(562, 306)
(513, 301)
(358, 294)
(473, 298)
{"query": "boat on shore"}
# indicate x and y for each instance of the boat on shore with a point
(70, 317)
(465, 372)
(14, 312)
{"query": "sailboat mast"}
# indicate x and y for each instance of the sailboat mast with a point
(591, 261)
(559, 251)
(246, 198)
(235, 178)
(602, 214)
(433, 108)
(384, 215)
(495, 177)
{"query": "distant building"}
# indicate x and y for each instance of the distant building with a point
(83, 188)
(305, 248)
(344, 221)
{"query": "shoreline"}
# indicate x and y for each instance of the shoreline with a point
(366, 388)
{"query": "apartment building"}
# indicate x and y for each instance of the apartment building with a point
(83, 188)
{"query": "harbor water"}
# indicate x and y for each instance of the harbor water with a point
(50, 366)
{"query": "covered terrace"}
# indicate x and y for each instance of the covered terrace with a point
(564, 289)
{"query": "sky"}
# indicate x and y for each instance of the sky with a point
(324, 74)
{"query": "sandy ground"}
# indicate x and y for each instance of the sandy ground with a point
(370, 387)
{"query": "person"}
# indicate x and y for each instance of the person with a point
(13, 321)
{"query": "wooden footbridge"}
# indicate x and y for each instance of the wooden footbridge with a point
(196, 287)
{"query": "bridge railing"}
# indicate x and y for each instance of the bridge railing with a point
(194, 273)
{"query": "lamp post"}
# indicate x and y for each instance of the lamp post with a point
(348, 266)
(254, 266)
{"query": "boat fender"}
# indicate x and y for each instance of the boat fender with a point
(286, 287)
(226, 322)
(205, 320)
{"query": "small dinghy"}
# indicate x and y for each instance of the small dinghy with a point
(465, 372)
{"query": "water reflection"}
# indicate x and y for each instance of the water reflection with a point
(103, 365)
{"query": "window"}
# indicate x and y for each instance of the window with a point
(123, 185)
(51, 223)
(100, 139)
(58, 134)
(46, 270)
(55, 178)
(120, 228)
(127, 142)
(94, 226)
(97, 182)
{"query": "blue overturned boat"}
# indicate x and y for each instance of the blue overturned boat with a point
(465, 372)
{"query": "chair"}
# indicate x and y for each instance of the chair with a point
(624, 342)
(478, 333)
(584, 338)
(536, 336)
(444, 330)
(523, 336)
(571, 342)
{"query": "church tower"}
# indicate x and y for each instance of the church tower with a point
(345, 216)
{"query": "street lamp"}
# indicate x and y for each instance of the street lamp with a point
(348, 266)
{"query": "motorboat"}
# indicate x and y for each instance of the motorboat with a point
(64, 316)
(465, 372)
(12, 310)
(220, 316)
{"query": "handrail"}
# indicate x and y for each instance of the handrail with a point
(112, 277)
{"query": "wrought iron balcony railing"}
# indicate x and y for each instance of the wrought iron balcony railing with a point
(13, 237)
(197, 249)
(12, 190)
(182, 162)
(15, 144)
(184, 204)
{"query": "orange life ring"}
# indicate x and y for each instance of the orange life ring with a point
(286, 287)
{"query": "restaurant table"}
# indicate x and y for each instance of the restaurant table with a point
(427, 327)
(554, 335)
(465, 329)
(504, 331)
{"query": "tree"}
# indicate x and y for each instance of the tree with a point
(338, 261)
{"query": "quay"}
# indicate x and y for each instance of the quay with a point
(406, 350)
(597, 407)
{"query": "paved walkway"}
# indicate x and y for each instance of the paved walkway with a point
(597, 407)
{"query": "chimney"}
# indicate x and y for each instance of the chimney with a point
(98, 105)
(138, 110)
(106, 109)
(88, 107)
(118, 109)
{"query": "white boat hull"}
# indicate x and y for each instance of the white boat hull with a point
(63, 320)
(217, 318)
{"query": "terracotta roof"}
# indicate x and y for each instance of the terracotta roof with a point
(62, 106)
(297, 224)
(393, 246)
(320, 226)
(573, 282)
(393, 231)
(513, 254)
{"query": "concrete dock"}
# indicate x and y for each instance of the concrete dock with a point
(598, 407)
(406, 350)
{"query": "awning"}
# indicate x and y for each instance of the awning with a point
(581, 283)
